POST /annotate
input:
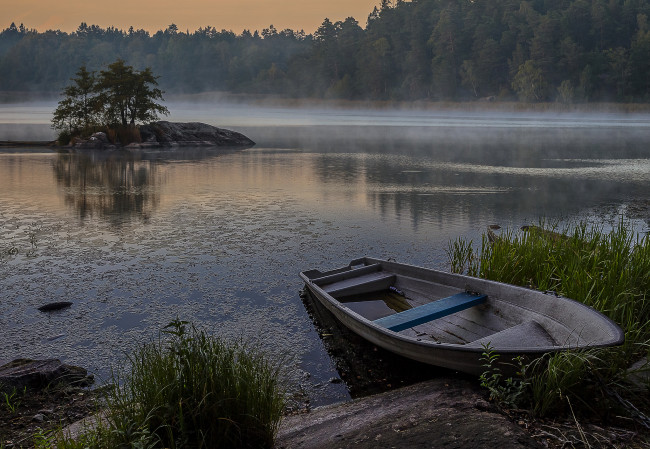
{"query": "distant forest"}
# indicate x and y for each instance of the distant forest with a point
(538, 50)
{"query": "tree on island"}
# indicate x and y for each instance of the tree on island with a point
(129, 95)
(78, 109)
(114, 100)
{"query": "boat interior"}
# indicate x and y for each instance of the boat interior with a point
(404, 304)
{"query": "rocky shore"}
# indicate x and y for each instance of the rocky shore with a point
(39, 396)
(169, 134)
(442, 412)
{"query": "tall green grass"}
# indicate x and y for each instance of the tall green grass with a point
(191, 390)
(609, 271)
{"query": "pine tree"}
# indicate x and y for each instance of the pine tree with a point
(128, 95)
(78, 110)
(120, 95)
(143, 106)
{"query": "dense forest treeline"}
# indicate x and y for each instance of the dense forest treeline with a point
(535, 50)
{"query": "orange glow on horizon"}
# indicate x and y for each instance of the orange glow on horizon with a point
(235, 15)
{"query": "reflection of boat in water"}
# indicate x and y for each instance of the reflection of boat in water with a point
(447, 319)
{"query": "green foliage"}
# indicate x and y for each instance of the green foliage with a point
(191, 390)
(128, 95)
(462, 257)
(562, 375)
(509, 392)
(119, 96)
(409, 50)
(64, 137)
(609, 271)
(12, 399)
(44, 440)
(469, 76)
(566, 93)
(79, 108)
(529, 82)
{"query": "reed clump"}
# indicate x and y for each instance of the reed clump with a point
(190, 390)
(609, 271)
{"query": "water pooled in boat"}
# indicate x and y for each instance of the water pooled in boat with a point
(376, 305)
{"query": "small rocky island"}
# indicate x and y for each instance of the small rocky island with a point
(115, 102)
(169, 134)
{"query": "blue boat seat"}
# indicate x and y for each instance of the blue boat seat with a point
(430, 311)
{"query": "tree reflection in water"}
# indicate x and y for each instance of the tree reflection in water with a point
(116, 186)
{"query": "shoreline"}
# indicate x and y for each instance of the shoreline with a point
(421, 105)
(434, 413)
(27, 143)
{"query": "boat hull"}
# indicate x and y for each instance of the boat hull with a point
(574, 324)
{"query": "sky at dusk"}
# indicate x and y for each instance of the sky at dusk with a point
(153, 15)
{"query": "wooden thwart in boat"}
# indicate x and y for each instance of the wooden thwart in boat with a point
(430, 311)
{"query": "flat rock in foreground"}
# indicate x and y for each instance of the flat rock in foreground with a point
(192, 134)
(37, 374)
(437, 413)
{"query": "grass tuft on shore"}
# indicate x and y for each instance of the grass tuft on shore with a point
(189, 389)
(609, 271)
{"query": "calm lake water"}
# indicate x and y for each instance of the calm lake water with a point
(218, 238)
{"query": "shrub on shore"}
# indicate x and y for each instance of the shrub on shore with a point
(190, 390)
(609, 271)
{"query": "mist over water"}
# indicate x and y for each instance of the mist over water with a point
(218, 238)
(215, 110)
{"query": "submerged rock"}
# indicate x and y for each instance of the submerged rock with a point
(53, 306)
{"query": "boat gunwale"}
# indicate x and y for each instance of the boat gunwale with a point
(618, 336)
